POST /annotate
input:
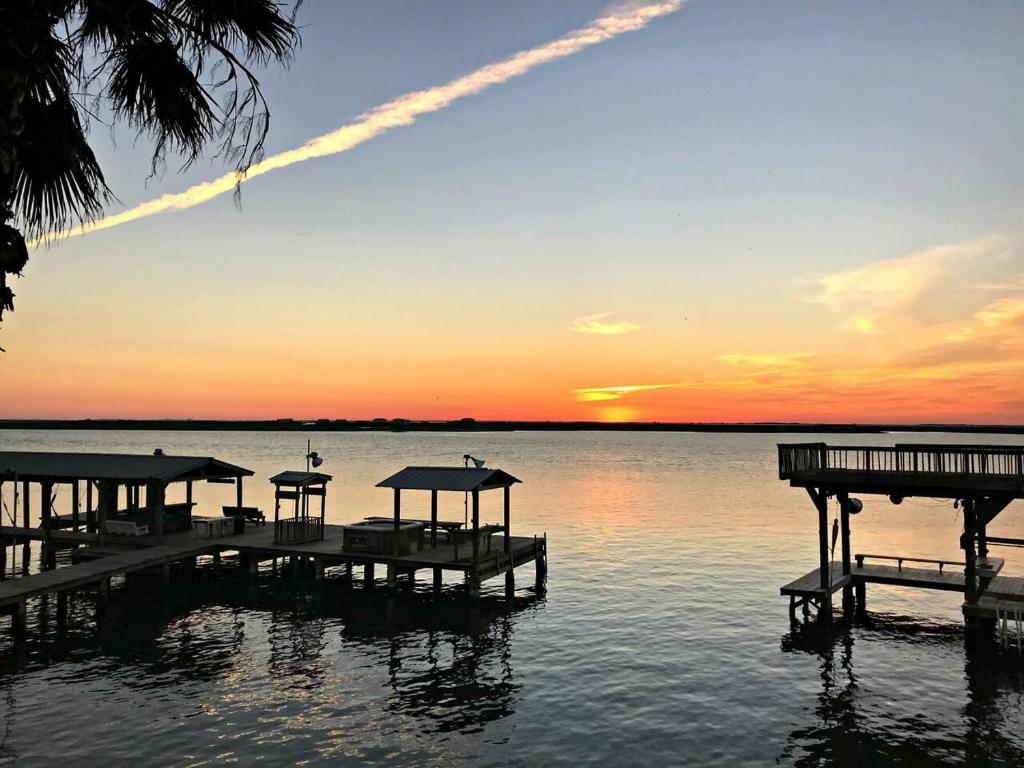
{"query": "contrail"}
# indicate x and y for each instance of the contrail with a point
(402, 111)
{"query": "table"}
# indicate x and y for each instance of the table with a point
(211, 527)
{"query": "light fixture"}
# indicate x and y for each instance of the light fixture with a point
(895, 498)
(854, 506)
(312, 457)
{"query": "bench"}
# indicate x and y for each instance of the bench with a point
(126, 528)
(250, 514)
(485, 532)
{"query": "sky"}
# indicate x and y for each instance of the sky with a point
(727, 211)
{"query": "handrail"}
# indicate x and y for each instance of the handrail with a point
(999, 461)
(900, 560)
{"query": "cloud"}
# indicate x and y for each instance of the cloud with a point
(921, 288)
(599, 394)
(772, 360)
(404, 110)
(602, 325)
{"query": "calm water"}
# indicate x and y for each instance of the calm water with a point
(661, 639)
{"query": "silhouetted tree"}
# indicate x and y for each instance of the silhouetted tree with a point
(177, 71)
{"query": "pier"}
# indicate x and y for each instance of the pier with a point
(121, 523)
(980, 480)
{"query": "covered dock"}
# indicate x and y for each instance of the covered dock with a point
(982, 480)
(120, 522)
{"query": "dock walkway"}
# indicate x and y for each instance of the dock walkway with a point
(98, 564)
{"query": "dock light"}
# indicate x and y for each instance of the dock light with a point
(854, 506)
(312, 457)
(895, 498)
(158, 451)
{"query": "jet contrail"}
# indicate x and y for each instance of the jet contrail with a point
(402, 111)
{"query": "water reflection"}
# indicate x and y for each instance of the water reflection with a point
(444, 662)
(851, 724)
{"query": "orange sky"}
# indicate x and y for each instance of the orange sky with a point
(878, 342)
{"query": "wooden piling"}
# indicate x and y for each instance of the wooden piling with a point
(368, 578)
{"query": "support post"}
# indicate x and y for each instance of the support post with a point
(820, 499)
(165, 575)
(392, 577)
(510, 583)
(970, 565)
(368, 576)
(438, 580)
(398, 523)
(433, 518)
(90, 510)
(3, 559)
(76, 518)
(318, 568)
(155, 494)
(844, 534)
(476, 527)
(49, 556)
(107, 502)
(508, 520)
(238, 492)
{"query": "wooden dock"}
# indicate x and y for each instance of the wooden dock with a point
(979, 480)
(99, 564)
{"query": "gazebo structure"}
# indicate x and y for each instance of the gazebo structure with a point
(982, 480)
(297, 487)
(467, 480)
(98, 480)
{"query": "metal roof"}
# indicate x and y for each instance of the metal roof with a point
(300, 478)
(448, 479)
(136, 468)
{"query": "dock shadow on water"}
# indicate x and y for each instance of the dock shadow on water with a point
(431, 666)
(842, 728)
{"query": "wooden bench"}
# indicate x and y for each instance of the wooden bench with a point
(485, 532)
(251, 514)
(126, 528)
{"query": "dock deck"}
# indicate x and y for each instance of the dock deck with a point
(255, 544)
(1003, 592)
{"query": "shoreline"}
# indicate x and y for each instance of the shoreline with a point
(472, 425)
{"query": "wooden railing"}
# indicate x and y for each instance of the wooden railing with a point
(298, 531)
(982, 461)
(900, 560)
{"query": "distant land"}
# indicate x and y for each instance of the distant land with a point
(474, 425)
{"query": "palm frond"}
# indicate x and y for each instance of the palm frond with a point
(156, 91)
(56, 178)
(255, 26)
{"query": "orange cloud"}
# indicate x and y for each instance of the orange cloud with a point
(599, 394)
(602, 325)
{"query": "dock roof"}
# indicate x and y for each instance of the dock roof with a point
(448, 479)
(300, 478)
(38, 466)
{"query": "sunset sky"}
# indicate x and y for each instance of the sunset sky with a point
(729, 211)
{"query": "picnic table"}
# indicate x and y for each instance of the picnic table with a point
(211, 527)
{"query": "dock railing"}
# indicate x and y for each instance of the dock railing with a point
(299, 531)
(1005, 462)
